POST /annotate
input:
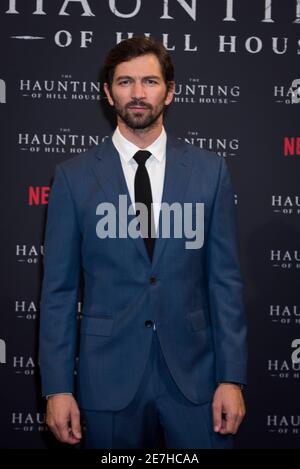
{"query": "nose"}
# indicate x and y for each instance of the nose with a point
(138, 90)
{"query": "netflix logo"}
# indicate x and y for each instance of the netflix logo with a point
(291, 146)
(38, 195)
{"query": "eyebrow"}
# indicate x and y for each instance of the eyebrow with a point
(126, 77)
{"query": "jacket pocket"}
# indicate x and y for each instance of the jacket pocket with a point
(96, 325)
(197, 320)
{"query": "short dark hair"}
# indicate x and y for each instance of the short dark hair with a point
(136, 47)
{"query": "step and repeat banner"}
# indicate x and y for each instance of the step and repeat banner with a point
(237, 70)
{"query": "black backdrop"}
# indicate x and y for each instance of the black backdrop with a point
(237, 72)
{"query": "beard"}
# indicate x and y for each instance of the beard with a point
(139, 120)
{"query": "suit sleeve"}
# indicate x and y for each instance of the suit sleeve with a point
(58, 322)
(225, 285)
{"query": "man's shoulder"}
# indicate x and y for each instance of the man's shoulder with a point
(198, 156)
(79, 162)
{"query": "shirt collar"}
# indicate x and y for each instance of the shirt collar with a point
(128, 149)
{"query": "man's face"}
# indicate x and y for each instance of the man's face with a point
(139, 92)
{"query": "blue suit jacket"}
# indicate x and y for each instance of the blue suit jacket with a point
(196, 301)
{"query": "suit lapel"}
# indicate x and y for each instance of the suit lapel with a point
(177, 173)
(109, 173)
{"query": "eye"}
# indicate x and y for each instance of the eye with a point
(151, 81)
(124, 82)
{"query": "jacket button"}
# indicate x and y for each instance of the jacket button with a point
(148, 323)
(152, 280)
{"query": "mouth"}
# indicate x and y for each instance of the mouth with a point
(138, 108)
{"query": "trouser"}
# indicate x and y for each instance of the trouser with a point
(159, 416)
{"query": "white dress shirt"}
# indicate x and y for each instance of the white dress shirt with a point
(155, 165)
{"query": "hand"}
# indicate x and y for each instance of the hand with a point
(63, 418)
(228, 408)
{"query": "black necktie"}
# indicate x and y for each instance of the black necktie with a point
(143, 194)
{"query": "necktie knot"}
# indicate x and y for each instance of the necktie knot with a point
(141, 156)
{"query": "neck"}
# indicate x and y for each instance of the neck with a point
(142, 138)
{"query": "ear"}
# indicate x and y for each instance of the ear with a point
(108, 94)
(170, 93)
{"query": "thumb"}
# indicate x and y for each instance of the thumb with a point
(75, 423)
(217, 416)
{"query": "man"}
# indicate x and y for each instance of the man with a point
(162, 334)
